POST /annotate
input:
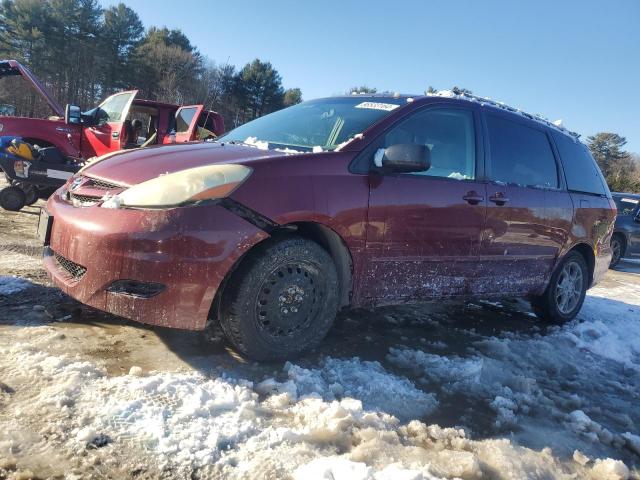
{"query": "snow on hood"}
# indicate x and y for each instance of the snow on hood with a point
(136, 166)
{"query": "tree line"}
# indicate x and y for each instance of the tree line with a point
(620, 168)
(83, 53)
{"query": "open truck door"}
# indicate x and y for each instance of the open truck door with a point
(111, 129)
(187, 122)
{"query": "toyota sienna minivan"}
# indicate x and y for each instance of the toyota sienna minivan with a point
(337, 202)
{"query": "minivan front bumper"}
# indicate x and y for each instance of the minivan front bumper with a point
(159, 267)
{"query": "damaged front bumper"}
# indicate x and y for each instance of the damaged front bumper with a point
(159, 267)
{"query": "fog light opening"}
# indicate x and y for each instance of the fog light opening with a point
(135, 288)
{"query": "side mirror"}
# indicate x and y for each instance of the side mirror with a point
(404, 158)
(72, 115)
(636, 217)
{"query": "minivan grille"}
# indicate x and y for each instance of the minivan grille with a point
(75, 270)
(84, 198)
(87, 191)
(101, 184)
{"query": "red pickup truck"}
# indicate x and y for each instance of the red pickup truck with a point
(121, 121)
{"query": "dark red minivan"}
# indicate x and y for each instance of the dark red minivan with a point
(337, 202)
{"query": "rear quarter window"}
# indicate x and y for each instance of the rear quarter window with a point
(580, 169)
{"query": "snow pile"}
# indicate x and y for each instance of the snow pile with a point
(306, 427)
(533, 383)
(368, 382)
(11, 285)
(615, 336)
(183, 417)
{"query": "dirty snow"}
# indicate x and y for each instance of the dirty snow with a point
(330, 422)
(222, 426)
(543, 385)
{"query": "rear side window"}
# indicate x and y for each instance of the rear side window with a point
(520, 155)
(580, 169)
(184, 117)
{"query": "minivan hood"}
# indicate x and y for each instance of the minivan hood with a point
(135, 166)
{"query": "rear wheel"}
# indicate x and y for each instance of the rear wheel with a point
(12, 198)
(565, 293)
(617, 250)
(281, 301)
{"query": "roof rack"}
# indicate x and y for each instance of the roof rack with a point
(460, 94)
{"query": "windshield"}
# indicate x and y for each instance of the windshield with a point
(316, 124)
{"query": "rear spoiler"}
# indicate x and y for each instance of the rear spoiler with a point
(13, 67)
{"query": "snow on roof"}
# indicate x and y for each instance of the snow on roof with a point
(462, 95)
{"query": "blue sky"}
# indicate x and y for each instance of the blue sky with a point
(574, 60)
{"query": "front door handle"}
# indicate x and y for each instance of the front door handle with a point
(473, 198)
(499, 199)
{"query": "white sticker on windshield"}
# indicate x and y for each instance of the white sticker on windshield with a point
(377, 106)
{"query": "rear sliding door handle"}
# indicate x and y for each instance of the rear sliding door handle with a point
(473, 198)
(498, 199)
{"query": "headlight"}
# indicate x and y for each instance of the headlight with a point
(182, 188)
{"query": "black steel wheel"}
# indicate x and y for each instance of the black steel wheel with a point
(281, 301)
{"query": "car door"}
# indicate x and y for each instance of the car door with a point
(423, 229)
(186, 122)
(110, 131)
(528, 215)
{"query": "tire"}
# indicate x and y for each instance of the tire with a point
(617, 249)
(550, 305)
(12, 198)
(31, 196)
(281, 301)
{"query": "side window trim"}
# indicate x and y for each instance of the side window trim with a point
(357, 163)
(488, 164)
(562, 178)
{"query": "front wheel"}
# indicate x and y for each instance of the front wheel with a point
(281, 301)
(565, 293)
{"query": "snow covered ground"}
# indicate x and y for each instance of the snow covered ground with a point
(476, 390)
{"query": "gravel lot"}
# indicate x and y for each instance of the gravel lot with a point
(468, 390)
